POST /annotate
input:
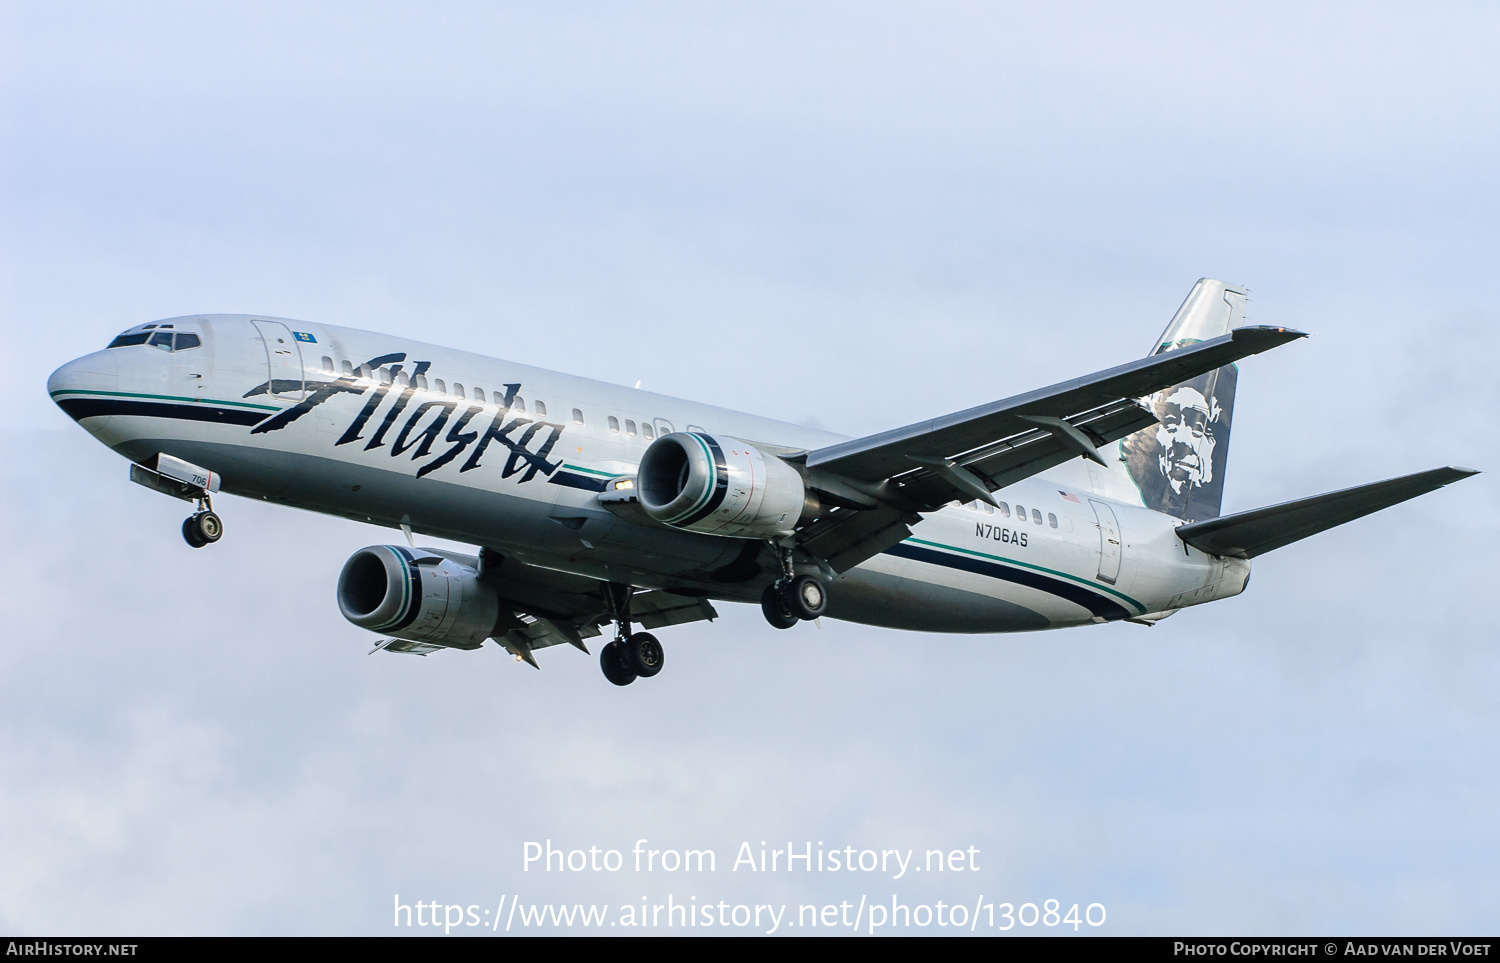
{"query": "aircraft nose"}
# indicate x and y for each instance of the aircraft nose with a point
(91, 377)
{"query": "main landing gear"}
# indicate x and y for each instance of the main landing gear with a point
(203, 527)
(787, 603)
(793, 598)
(630, 656)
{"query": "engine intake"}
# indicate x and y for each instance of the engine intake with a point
(721, 486)
(418, 596)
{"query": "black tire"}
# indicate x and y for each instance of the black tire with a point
(776, 608)
(644, 655)
(210, 527)
(612, 661)
(807, 598)
(190, 532)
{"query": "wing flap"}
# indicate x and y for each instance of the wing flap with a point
(1248, 534)
(1026, 454)
(653, 610)
(846, 537)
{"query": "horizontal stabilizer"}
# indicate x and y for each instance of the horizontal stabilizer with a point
(1257, 532)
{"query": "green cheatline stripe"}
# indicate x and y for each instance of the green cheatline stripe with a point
(1050, 571)
(591, 471)
(713, 478)
(136, 394)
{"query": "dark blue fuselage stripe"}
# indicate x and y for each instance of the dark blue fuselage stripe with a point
(721, 485)
(573, 480)
(1094, 602)
(81, 408)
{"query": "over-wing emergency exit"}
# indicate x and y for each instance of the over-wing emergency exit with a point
(591, 505)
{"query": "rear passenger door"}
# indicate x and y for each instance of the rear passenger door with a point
(1109, 542)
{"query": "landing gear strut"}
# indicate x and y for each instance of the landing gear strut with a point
(793, 598)
(630, 656)
(203, 527)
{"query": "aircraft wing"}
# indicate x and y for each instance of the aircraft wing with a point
(957, 436)
(552, 608)
(883, 482)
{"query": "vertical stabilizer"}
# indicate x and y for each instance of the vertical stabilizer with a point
(1178, 465)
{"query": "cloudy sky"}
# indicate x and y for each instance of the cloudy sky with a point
(849, 215)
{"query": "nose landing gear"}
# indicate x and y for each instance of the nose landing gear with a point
(203, 527)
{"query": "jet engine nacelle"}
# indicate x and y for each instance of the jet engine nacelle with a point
(721, 486)
(419, 596)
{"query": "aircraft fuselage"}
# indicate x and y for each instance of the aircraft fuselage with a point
(493, 453)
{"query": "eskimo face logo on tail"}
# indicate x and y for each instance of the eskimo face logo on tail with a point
(1186, 437)
(1178, 465)
(417, 438)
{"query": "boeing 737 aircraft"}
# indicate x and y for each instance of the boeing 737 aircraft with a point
(1094, 500)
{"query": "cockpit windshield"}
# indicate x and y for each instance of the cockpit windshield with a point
(159, 335)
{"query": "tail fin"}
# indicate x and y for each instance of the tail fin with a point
(1178, 465)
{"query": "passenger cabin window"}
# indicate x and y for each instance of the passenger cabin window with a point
(442, 386)
(1004, 510)
(1052, 519)
(989, 509)
(347, 369)
(629, 427)
(614, 424)
(541, 410)
(646, 430)
(385, 375)
(1020, 513)
(577, 417)
(328, 364)
(519, 404)
(458, 390)
(401, 381)
(422, 382)
(365, 373)
(479, 395)
(1036, 515)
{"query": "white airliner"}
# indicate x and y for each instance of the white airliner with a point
(1094, 500)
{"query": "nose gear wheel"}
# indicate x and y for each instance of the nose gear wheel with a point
(202, 528)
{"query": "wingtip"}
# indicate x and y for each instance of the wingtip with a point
(1278, 335)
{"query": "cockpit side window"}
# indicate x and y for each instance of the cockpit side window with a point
(159, 335)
